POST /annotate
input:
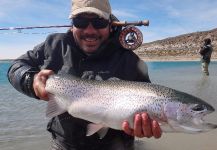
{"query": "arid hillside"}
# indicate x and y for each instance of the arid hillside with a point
(185, 46)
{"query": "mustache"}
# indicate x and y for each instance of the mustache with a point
(84, 36)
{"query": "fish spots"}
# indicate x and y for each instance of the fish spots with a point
(112, 102)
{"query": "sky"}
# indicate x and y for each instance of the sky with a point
(168, 18)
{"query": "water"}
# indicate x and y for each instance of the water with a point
(23, 122)
(22, 119)
(4, 65)
(187, 77)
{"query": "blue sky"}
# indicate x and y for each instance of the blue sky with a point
(167, 18)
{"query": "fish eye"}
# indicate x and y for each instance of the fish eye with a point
(198, 108)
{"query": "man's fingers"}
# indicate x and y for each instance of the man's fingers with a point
(146, 125)
(40, 83)
(39, 87)
(138, 126)
(156, 130)
(127, 129)
(45, 72)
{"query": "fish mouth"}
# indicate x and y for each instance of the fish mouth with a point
(210, 108)
(199, 125)
(211, 125)
(204, 128)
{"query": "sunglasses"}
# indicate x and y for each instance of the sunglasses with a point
(97, 23)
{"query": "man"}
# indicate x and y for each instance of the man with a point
(206, 52)
(89, 50)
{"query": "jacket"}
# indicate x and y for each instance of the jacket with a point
(206, 52)
(60, 53)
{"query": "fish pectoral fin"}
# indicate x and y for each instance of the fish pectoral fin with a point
(191, 129)
(199, 128)
(165, 127)
(174, 126)
(54, 108)
(99, 128)
(177, 127)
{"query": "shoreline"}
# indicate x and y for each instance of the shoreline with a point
(153, 58)
(172, 58)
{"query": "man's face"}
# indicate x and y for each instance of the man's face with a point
(89, 39)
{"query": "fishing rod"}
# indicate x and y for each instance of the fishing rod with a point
(135, 23)
(34, 27)
(130, 37)
(114, 23)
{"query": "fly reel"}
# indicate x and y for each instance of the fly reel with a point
(131, 37)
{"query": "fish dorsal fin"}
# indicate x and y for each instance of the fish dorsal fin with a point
(114, 79)
(53, 107)
(99, 128)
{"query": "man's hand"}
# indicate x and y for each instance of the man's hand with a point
(143, 127)
(39, 83)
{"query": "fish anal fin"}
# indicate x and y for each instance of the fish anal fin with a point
(102, 132)
(99, 128)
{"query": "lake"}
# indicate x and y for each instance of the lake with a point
(23, 122)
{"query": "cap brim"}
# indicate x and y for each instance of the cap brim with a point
(98, 12)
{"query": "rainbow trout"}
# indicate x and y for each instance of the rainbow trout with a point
(106, 104)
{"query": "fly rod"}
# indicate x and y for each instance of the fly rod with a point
(114, 23)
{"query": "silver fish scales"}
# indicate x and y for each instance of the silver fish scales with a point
(108, 103)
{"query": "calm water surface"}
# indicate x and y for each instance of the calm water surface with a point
(23, 122)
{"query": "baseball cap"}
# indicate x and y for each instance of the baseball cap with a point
(101, 8)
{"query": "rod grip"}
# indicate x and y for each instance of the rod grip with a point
(136, 23)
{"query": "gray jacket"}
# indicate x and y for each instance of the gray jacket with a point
(60, 53)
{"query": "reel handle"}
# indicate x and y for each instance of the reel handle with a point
(136, 23)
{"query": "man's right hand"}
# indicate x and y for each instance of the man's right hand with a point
(39, 84)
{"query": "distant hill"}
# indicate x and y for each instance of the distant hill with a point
(182, 46)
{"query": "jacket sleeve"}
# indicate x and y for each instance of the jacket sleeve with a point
(142, 74)
(134, 68)
(23, 69)
(204, 50)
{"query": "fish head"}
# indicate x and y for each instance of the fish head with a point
(188, 116)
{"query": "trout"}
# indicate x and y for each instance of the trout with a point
(106, 104)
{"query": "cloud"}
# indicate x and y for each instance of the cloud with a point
(23, 12)
(2, 14)
(124, 14)
(167, 18)
(193, 10)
